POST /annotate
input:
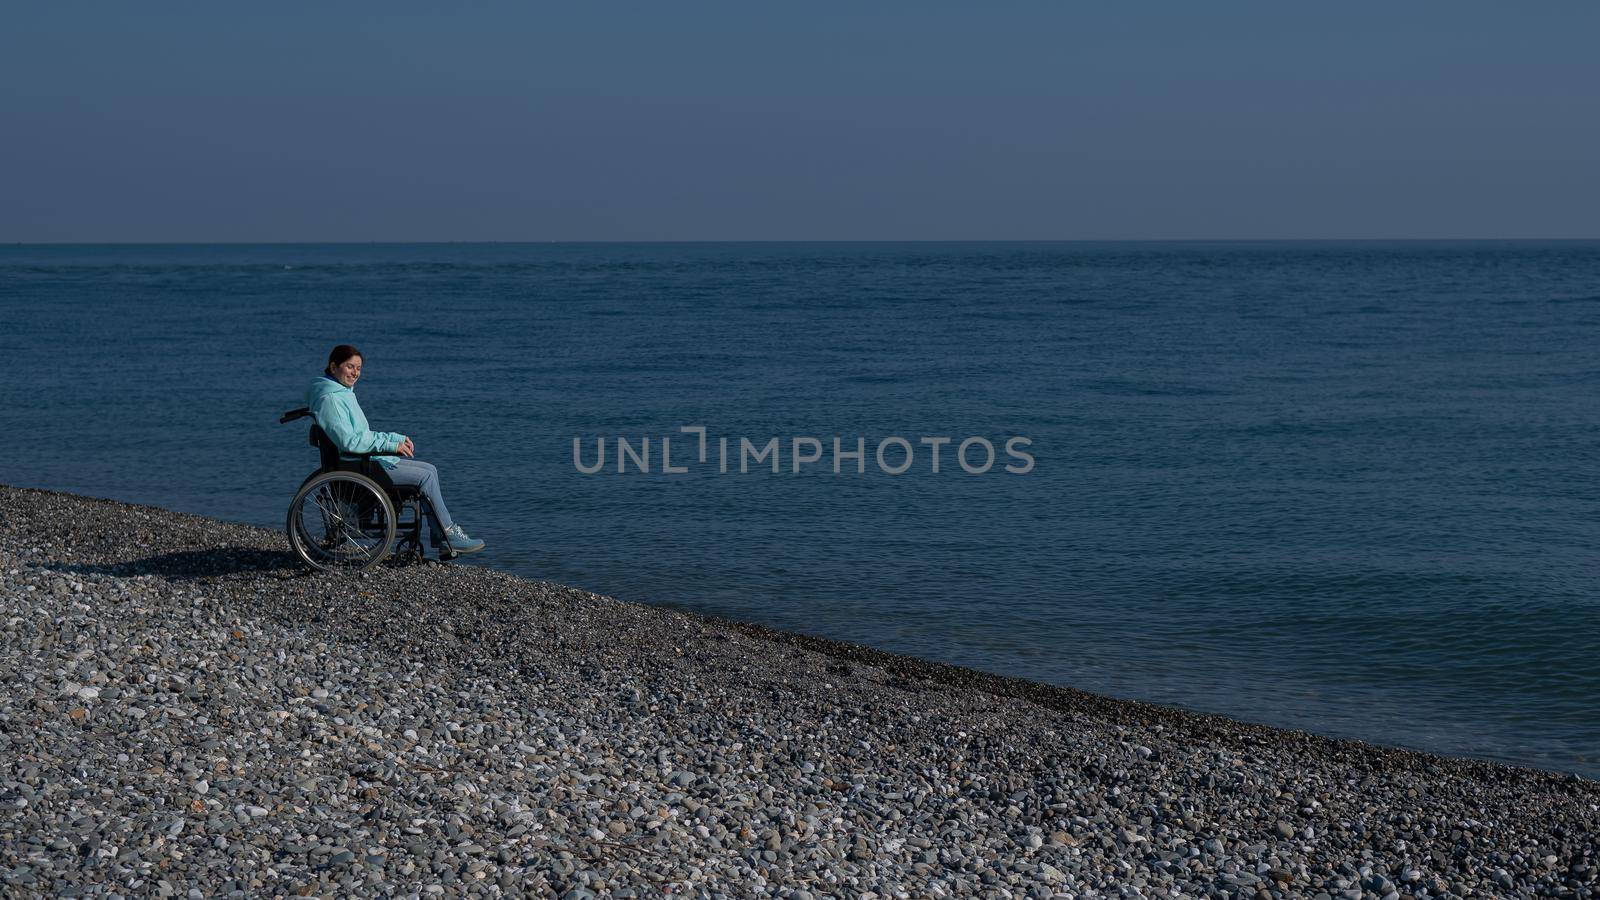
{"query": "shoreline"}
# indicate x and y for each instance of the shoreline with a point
(940, 675)
(1018, 788)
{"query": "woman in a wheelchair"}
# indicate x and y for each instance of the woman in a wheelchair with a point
(332, 400)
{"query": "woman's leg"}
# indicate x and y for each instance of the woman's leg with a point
(425, 477)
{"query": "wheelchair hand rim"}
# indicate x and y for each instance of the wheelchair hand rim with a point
(341, 522)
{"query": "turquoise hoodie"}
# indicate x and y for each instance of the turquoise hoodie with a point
(337, 411)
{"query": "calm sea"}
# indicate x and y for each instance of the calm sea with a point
(1347, 487)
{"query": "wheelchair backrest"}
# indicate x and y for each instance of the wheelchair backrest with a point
(325, 448)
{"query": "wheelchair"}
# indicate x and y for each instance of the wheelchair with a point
(348, 514)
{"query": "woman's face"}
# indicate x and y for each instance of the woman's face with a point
(348, 371)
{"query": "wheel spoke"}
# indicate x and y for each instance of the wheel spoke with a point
(331, 520)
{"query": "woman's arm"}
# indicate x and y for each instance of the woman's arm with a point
(340, 424)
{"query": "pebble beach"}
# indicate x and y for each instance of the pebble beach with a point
(189, 713)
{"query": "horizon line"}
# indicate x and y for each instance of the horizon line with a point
(1185, 240)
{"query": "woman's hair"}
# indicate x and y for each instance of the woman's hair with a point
(338, 357)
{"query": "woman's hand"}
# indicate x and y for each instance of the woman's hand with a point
(406, 448)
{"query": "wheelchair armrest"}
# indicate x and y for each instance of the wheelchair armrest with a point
(293, 414)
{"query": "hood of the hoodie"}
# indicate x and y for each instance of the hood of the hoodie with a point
(322, 387)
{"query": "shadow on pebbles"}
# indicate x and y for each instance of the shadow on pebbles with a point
(188, 713)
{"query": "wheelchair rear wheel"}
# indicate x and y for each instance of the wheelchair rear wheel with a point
(341, 522)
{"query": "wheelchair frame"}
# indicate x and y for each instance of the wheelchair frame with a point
(404, 542)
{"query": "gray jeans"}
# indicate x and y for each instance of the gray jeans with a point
(424, 476)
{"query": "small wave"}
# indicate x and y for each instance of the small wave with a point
(1149, 389)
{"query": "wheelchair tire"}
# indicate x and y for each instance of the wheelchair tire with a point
(341, 522)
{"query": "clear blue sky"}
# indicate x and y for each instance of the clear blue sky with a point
(763, 121)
